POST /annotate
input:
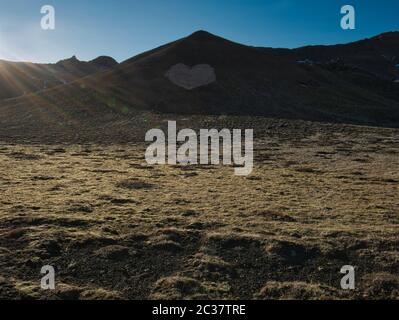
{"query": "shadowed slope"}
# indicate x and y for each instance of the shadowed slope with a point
(378, 55)
(253, 81)
(20, 78)
(249, 81)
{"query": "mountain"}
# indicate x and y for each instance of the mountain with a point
(20, 78)
(378, 55)
(351, 83)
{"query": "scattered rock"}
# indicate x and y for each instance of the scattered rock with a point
(133, 184)
(167, 245)
(67, 292)
(16, 233)
(176, 288)
(187, 288)
(52, 248)
(232, 240)
(190, 213)
(208, 264)
(295, 291)
(81, 207)
(291, 252)
(380, 286)
(277, 216)
(113, 252)
(99, 294)
(24, 156)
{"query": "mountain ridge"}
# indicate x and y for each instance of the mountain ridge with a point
(20, 78)
(354, 85)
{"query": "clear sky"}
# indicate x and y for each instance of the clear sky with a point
(124, 28)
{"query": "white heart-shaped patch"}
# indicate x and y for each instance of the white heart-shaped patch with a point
(191, 77)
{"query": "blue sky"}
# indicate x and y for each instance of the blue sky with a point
(123, 28)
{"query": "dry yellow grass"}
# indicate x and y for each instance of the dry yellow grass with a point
(114, 227)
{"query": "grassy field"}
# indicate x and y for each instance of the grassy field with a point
(116, 228)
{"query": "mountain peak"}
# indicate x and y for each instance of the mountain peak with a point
(104, 61)
(202, 35)
(71, 59)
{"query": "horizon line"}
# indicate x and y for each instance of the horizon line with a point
(201, 30)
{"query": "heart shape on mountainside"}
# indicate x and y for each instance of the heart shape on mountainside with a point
(191, 77)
